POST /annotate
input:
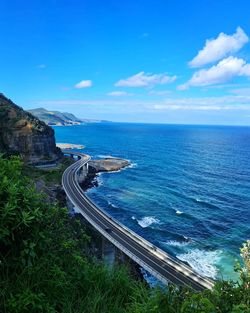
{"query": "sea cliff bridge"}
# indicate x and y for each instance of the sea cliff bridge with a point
(157, 262)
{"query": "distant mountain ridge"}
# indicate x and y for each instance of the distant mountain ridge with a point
(59, 118)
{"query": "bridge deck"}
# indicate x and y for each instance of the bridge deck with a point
(157, 262)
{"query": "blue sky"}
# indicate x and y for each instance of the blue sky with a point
(134, 61)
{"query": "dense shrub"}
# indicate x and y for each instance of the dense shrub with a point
(44, 268)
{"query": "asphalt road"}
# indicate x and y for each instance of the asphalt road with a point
(157, 262)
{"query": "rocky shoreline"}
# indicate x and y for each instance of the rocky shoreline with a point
(99, 166)
(69, 146)
(108, 164)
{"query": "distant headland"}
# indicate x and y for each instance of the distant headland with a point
(56, 118)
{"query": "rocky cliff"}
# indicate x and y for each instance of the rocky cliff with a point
(22, 133)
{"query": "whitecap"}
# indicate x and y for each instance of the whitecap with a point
(102, 156)
(112, 205)
(147, 221)
(99, 179)
(133, 218)
(175, 243)
(203, 262)
(178, 212)
(132, 165)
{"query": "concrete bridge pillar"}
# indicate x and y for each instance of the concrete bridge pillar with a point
(108, 252)
(82, 173)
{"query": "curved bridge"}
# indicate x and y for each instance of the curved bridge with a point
(157, 262)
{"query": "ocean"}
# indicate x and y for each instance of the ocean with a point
(187, 189)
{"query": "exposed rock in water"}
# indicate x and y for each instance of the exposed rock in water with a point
(68, 146)
(103, 165)
(108, 164)
(23, 134)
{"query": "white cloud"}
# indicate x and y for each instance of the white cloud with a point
(83, 84)
(216, 49)
(143, 79)
(241, 91)
(222, 72)
(222, 103)
(119, 94)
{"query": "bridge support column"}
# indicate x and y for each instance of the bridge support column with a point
(108, 252)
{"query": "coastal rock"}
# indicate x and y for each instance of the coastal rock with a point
(108, 164)
(67, 146)
(23, 134)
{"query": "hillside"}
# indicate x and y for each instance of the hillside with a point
(24, 134)
(59, 118)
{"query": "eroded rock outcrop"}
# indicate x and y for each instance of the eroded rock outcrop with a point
(108, 164)
(22, 133)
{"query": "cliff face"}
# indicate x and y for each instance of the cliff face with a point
(22, 133)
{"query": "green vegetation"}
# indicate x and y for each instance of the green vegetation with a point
(44, 267)
(49, 175)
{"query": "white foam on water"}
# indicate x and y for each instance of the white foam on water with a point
(102, 156)
(133, 218)
(112, 205)
(99, 179)
(115, 171)
(178, 212)
(175, 243)
(202, 261)
(147, 221)
(132, 165)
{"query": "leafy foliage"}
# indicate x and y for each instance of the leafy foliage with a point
(44, 267)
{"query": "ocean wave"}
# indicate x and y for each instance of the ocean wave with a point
(113, 206)
(99, 179)
(147, 221)
(102, 156)
(203, 262)
(132, 165)
(176, 243)
(205, 203)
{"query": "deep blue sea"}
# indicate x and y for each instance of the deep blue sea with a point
(187, 191)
